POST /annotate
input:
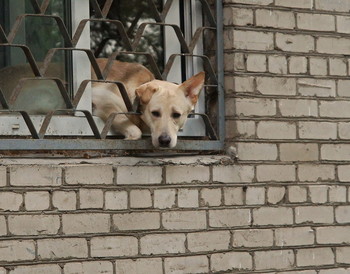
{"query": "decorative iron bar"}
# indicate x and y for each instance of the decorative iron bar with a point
(39, 140)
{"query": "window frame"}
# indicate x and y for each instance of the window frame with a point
(14, 127)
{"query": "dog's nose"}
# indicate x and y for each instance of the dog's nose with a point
(164, 140)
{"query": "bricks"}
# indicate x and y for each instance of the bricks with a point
(114, 246)
(294, 43)
(343, 6)
(116, 200)
(298, 64)
(313, 214)
(333, 109)
(333, 235)
(62, 248)
(272, 216)
(275, 194)
(337, 66)
(231, 261)
(64, 200)
(299, 152)
(210, 197)
(316, 87)
(17, 250)
(163, 244)
(191, 264)
(89, 175)
(91, 198)
(302, 4)
(34, 224)
(233, 196)
(318, 194)
(298, 108)
(276, 86)
(177, 220)
(36, 175)
(256, 63)
(251, 40)
(294, 236)
(342, 254)
(276, 130)
(139, 175)
(317, 130)
(48, 268)
(332, 45)
(256, 151)
(315, 256)
(337, 152)
(255, 196)
(148, 265)
(343, 88)
(37, 200)
(275, 19)
(279, 259)
(3, 176)
(342, 214)
(229, 217)
(164, 198)
(233, 174)
(208, 241)
(247, 84)
(95, 267)
(343, 23)
(3, 229)
(186, 174)
(277, 173)
(252, 107)
(253, 238)
(188, 198)
(252, 2)
(318, 66)
(82, 223)
(10, 201)
(297, 194)
(344, 173)
(238, 17)
(136, 221)
(140, 198)
(318, 22)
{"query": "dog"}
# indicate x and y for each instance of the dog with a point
(164, 106)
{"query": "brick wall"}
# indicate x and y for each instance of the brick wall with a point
(288, 109)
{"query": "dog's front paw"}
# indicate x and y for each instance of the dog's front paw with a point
(133, 133)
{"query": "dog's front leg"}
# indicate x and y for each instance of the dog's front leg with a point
(106, 103)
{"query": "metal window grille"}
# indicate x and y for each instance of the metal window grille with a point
(38, 137)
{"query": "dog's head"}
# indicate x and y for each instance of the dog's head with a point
(165, 107)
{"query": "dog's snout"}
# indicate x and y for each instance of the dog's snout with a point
(164, 140)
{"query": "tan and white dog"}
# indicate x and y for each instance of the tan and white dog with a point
(164, 106)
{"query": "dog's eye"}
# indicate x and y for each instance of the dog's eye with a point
(176, 115)
(156, 113)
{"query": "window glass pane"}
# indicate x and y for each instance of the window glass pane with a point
(105, 38)
(39, 34)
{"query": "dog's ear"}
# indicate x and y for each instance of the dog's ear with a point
(145, 92)
(193, 86)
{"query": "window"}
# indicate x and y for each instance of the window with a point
(174, 39)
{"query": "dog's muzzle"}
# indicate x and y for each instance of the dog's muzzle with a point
(164, 140)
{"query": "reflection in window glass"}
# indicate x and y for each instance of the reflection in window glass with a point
(105, 38)
(39, 34)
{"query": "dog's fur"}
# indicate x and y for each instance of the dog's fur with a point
(164, 106)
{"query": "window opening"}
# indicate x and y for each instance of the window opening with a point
(166, 36)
